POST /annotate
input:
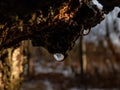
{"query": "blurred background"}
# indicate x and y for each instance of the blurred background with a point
(94, 61)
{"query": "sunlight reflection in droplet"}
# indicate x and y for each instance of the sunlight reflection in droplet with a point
(58, 56)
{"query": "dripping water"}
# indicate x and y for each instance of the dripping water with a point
(58, 57)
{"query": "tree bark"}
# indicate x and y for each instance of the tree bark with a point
(46, 21)
(55, 23)
(11, 68)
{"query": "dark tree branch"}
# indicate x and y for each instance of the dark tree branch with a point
(108, 5)
(53, 24)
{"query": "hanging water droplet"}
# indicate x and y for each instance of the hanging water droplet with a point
(58, 56)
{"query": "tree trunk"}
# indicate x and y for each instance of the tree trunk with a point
(11, 68)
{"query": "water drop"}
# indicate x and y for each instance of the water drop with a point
(58, 56)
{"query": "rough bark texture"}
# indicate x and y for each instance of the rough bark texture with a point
(11, 68)
(53, 24)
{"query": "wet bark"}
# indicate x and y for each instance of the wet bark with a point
(44, 23)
